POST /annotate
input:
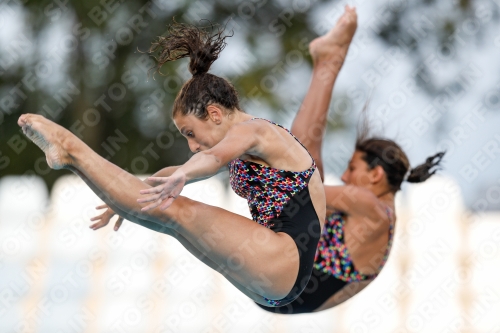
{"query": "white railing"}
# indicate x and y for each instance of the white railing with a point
(57, 275)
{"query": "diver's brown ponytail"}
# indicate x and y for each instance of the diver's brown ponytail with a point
(185, 40)
(203, 89)
(423, 172)
(389, 155)
(378, 151)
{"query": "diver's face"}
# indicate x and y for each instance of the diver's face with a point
(200, 134)
(357, 172)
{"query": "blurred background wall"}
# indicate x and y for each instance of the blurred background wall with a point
(57, 275)
(428, 70)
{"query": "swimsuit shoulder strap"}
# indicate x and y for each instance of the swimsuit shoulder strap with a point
(390, 214)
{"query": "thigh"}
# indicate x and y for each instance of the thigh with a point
(258, 258)
(200, 255)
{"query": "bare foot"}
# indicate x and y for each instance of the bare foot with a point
(332, 47)
(50, 137)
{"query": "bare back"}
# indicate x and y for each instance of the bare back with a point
(366, 244)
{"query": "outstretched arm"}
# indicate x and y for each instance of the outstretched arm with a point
(104, 218)
(169, 171)
(328, 53)
(355, 200)
(240, 139)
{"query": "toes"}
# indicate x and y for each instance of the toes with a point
(28, 119)
(23, 120)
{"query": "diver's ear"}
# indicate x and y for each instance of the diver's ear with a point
(215, 113)
(377, 174)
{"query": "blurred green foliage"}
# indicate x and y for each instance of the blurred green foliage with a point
(105, 44)
(81, 64)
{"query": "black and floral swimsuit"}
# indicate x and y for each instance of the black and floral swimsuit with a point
(280, 200)
(333, 267)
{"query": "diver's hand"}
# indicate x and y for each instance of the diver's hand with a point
(104, 218)
(164, 194)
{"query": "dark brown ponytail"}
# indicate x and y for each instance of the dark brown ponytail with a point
(378, 151)
(203, 48)
(389, 155)
(423, 172)
(185, 40)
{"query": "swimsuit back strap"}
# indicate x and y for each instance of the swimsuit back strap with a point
(391, 236)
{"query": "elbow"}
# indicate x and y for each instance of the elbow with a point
(213, 160)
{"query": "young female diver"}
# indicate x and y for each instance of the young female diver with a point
(359, 228)
(268, 166)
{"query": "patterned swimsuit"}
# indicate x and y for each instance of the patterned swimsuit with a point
(279, 200)
(333, 268)
(332, 256)
(266, 189)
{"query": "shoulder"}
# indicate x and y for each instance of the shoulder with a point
(371, 206)
(356, 201)
(249, 127)
(349, 194)
(241, 138)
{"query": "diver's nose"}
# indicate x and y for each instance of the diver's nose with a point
(194, 147)
(344, 178)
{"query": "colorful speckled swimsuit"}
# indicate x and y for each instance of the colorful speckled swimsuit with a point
(333, 267)
(280, 200)
(332, 256)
